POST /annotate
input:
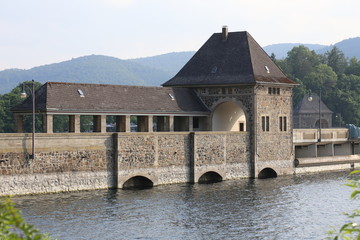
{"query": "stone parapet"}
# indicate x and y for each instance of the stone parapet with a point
(70, 162)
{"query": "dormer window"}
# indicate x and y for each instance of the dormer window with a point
(267, 69)
(171, 97)
(81, 93)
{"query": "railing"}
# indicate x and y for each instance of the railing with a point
(327, 135)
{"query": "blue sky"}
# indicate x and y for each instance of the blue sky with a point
(38, 32)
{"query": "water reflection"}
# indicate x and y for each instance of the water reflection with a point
(293, 207)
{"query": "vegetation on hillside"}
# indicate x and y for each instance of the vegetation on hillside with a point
(88, 69)
(338, 78)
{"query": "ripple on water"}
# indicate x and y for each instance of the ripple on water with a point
(292, 207)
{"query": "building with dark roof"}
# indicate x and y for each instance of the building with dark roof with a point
(227, 64)
(101, 100)
(310, 111)
(229, 59)
(230, 84)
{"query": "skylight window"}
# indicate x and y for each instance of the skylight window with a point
(81, 93)
(267, 69)
(171, 96)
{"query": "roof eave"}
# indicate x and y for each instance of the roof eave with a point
(211, 85)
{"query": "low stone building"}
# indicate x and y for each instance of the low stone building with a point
(310, 111)
(173, 109)
(230, 84)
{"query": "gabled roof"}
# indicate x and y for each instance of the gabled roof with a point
(237, 60)
(306, 107)
(56, 97)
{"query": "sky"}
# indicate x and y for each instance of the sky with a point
(39, 32)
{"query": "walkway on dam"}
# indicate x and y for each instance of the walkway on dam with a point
(325, 149)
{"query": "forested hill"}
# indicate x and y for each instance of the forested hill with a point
(350, 47)
(170, 63)
(147, 71)
(281, 49)
(151, 71)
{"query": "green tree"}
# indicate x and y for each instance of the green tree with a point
(273, 57)
(336, 60)
(351, 229)
(13, 226)
(86, 123)
(345, 99)
(353, 68)
(301, 61)
(321, 77)
(61, 123)
(299, 92)
(9, 100)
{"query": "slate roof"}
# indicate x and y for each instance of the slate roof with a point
(237, 60)
(56, 97)
(305, 106)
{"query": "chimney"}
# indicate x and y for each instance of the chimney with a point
(225, 33)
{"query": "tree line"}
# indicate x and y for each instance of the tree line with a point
(337, 76)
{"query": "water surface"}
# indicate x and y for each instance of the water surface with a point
(291, 207)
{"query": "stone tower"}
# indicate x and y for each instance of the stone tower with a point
(245, 91)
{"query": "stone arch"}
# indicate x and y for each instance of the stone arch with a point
(210, 177)
(267, 173)
(229, 115)
(138, 182)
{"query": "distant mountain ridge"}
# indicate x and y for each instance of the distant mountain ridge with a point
(350, 47)
(98, 69)
(281, 49)
(147, 71)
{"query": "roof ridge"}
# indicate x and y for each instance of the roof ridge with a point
(101, 84)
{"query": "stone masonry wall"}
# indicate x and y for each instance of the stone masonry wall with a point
(274, 147)
(227, 153)
(162, 157)
(71, 162)
(63, 162)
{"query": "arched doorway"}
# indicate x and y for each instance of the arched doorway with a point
(228, 116)
(210, 177)
(267, 173)
(138, 182)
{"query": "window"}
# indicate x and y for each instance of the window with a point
(283, 124)
(275, 91)
(241, 127)
(265, 123)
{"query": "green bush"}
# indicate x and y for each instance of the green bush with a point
(350, 230)
(13, 226)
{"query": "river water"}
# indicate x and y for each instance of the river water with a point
(291, 207)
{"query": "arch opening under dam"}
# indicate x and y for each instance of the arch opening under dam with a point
(210, 177)
(138, 182)
(267, 173)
